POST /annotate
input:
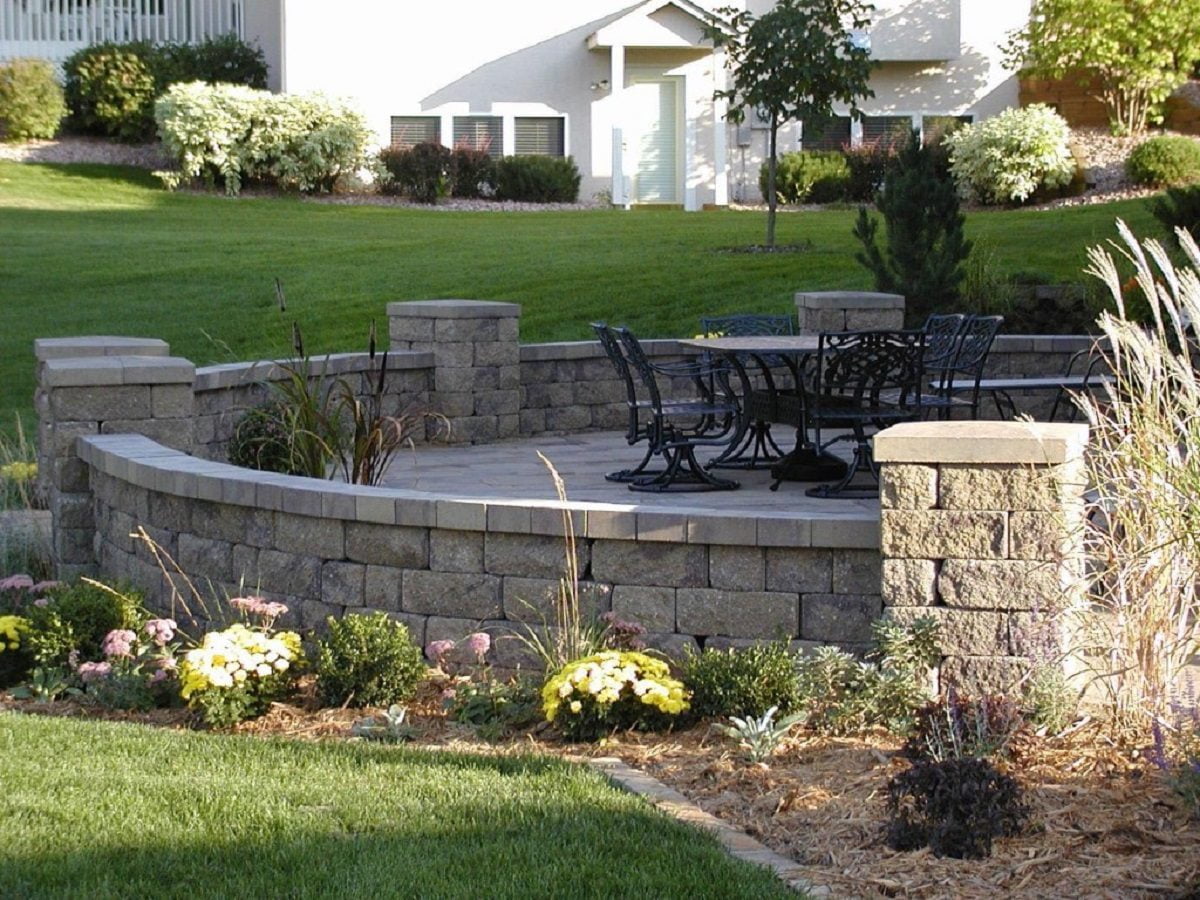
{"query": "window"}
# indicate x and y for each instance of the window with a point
(835, 136)
(539, 136)
(408, 131)
(886, 129)
(479, 133)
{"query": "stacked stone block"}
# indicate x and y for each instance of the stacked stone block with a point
(477, 371)
(981, 528)
(848, 311)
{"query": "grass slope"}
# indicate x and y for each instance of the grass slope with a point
(101, 250)
(101, 810)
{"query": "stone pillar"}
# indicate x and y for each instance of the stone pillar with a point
(981, 528)
(477, 362)
(148, 395)
(848, 311)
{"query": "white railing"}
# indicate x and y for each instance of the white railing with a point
(54, 29)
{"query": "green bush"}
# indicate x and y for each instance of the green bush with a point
(537, 179)
(957, 727)
(866, 168)
(1006, 158)
(110, 90)
(261, 440)
(231, 133)
(219, 60)
(810, 176)
(473, 173)
(31, 100)
(742, 682)
(1165, 162)
(421, 172)
(77, 617)
(1178, 208)
(367, 660)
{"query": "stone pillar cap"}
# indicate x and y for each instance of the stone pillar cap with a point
(981, 442)
(97, 345)
(848, 300)
(452, 309)
(114, 370)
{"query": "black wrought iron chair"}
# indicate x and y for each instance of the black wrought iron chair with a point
(637, 428)
(864, 381)
(956, 387)
(1090, 366)
(757, 448)
(677, 427)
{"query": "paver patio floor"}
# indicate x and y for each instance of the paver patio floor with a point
(511, 470)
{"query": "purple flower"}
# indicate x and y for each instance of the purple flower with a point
(159, 675)
(259, 606)
(118, 642)
(42, 586)
(478, 643)
(16, 583)
(42, 601)
(91, 672)
(437, 650)
(161, 631)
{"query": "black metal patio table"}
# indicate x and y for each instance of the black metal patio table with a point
(805, 462)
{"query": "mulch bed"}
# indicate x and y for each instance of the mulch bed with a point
(1103, 821)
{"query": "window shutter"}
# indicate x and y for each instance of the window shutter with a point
(888, 129)
(408, 131)
(480, 133)
(835, 136)
(539, 136)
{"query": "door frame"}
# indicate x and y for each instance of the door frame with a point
(657, 76)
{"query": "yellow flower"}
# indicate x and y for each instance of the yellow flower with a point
(576, 706)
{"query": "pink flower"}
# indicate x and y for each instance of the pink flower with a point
(117, 643)
(161, 631)
(16, 583)
(259, 606)
(436, 650)
(478, 643)
(42, 586)
(159, 675)
(91, 672)
(166, 663)
(42, 601)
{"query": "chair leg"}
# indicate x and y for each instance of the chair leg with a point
(864, 460)
(683, 473)
(758, 443)
(639, 471)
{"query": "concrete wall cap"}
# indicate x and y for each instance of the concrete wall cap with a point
(117, 370)
(983, 442)
(452, 309)
(97, 345)
(227, 375)
(848, 300)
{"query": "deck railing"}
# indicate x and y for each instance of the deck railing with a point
(54, 29)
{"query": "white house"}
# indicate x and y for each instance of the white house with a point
(627, 90)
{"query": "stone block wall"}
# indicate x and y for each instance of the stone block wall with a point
(981, 528)
(819, 311)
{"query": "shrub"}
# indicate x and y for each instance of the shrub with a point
(955, 807)
(537, 179)
(1049, 700)
(958, 727)
(867, 165)
(231, 133)
(1178, 208)
(235, 674)
(77, 617)
(1164, 162)
(473, 173)
(261, 440)
(421, 172)
(16, 660)
(496, 708)
(110, 90)
(1176, 749)
(367, 660)
(31, 100)
(924, 252)
(1006, 158)
(220, 60)
(810, 176)
(759, 737)
(742, 682)
(612, 689)
(138, 671)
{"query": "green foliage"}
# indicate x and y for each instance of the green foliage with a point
(225, 59)
(760, 737)
(1008, 157)
(1131, 53)
(232, 133)
(367, 660)
(1165, 161)
(474, 173)
(421, 172)
(957, 727)
(792, 64)
(31, 100)
(110, 90)
(390, 727)
(924, 252)
(809, 177)
(537, 179)
(261, 440)
(1049, 700)
(77, 617)
(45, 685)
(868, 165)
(955, 807)
(1179, 207)
(744, 682)
(496, 708)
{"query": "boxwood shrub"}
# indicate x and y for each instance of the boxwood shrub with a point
(31, 100)
(809, 176)
(1165, 161)
(537, 179)
(367, 660)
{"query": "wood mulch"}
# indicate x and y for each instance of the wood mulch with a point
(1103, 821)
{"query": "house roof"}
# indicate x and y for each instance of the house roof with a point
(657, 23)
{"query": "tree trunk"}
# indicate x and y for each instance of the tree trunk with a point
(772, 199)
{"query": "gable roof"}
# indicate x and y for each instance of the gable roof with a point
(657, 23)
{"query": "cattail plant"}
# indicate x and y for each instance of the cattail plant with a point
(1143, 465)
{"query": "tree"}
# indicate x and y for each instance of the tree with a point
(1131, 53)
(923, 255)
(792, 64)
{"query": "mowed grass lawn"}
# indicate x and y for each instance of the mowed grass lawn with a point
(103, 250)
(100, 810)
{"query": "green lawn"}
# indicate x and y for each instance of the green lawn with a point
(95, 810)
(102, 250)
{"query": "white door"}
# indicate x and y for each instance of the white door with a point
(652, 140)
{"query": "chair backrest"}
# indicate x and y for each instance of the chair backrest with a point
(941, 338)
(978, 333)
(747, 325)
(639, 364)
(858, 366)
(612, 349)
